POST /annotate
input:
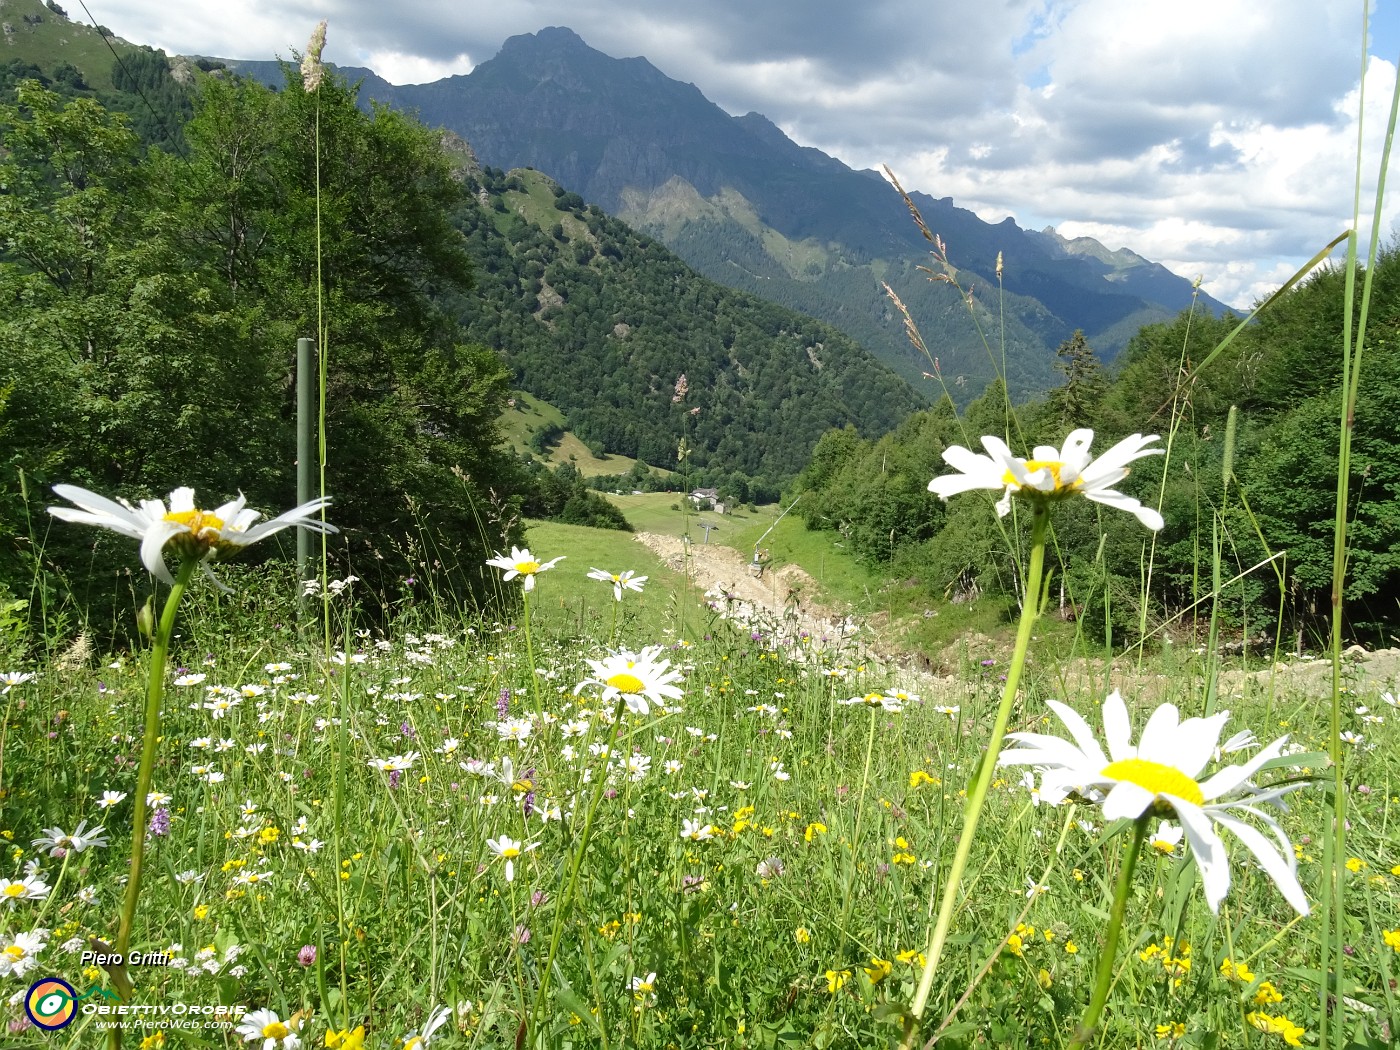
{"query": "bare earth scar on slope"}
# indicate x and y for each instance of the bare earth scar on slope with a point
(785, 593)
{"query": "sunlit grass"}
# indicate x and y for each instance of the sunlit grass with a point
(851, 853)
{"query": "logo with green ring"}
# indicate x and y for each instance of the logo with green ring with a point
(51, 1003)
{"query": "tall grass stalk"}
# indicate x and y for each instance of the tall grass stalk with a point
(1355, 314)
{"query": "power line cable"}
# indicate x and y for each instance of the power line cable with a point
(107, 39)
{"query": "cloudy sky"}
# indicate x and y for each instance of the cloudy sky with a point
(1218, 137)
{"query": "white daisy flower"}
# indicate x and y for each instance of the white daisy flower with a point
(1161, 774)
(1049, 473)
(621, 581)
(21, 955)
(641, 679)
(58, 842)
(508, 849)
(882, 700)
(422, 1040)
(110, 799)
(520, 562)
(1166, 838)
(394, 763)
(208, 536)
(643, 989)
(694, 831)
(30, 888)
(265, 1027)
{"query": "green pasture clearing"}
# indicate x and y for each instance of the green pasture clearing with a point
(521, 420)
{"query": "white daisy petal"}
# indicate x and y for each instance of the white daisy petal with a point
(1283, 873)
(1127, 800)
(1209, 852)
(1079, 729)
(1117, 728)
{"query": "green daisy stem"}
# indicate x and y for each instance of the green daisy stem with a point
(565, 905)
(1103, 979)
(530, 658)
(155, 692)
(1030, 607)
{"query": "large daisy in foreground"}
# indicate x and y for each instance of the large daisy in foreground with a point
(1162, 775)
(1050, 473)
(203, 535)
(641, 679)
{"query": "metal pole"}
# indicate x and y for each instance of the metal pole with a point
(305, 420)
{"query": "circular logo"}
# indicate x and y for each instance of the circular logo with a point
(51, 1003)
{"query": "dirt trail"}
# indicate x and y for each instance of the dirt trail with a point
(787, 601)
(784, 597)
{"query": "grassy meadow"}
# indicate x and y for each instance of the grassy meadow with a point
(752, 863)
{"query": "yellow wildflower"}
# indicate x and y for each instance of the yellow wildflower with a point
(1233, 971)
(346, 1039)
(878, 969)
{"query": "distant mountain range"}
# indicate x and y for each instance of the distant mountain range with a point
(747, 206)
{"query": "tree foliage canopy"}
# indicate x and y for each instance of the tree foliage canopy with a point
(152, 305)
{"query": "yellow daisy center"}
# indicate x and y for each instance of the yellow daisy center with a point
(15, 952)
(1156, 778)
(509, 852)
(276, 1030)
(626, 683)
(14, 889)
(196, 520)
(1032, 465)
(527, 568)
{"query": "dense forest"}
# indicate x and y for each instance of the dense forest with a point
(601, 322)
(1282, 375)
(151, 303)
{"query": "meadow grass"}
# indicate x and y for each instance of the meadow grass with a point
(671, 514)
(528, 414)
(794, 912)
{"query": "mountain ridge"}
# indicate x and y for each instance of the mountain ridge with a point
(620, 133)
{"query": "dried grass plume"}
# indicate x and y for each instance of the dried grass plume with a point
(311, 69)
